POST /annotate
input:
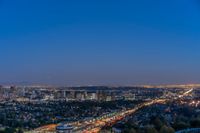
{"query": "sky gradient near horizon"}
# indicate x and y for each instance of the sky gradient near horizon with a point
(100, 42)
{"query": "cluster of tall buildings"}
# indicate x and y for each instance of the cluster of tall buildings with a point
(82, 95)
(78, 94)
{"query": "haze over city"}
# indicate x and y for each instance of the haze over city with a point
(99, 42)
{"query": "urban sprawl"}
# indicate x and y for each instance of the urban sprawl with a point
(100, 109)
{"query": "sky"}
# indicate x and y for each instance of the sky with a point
(99, 42)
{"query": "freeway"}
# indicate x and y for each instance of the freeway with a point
(95, 125)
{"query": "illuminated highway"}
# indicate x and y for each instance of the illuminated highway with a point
(95, 125)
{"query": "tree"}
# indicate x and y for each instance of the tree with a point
(195, 123)
(166, 129)
(131, 130)
(157, 123)
(151, 130)
(10, 130)
(181, 125)
(20, 131)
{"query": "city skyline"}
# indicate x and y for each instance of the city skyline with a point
(99, 43)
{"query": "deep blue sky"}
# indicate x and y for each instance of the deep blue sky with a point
(100, 42)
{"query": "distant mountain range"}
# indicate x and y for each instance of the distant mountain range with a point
(26, 83)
